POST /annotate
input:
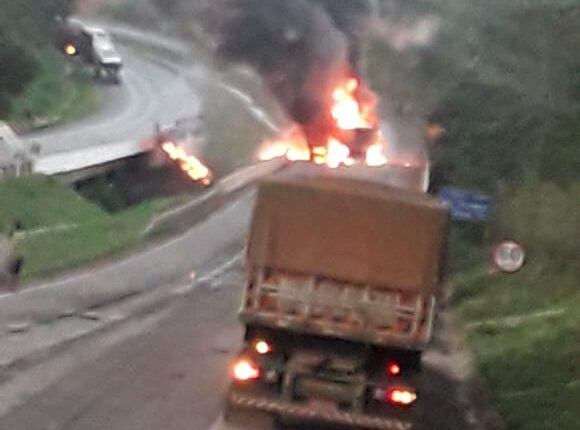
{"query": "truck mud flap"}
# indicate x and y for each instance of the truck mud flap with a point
(311, 413)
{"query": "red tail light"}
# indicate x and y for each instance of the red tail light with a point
(245, 370)
(393, 368)
(400, 396)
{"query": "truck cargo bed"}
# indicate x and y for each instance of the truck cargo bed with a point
(325, 307)
(349, 230)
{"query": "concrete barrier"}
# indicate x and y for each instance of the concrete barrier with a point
(224, 187)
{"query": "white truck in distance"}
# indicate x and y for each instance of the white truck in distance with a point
(94, 46)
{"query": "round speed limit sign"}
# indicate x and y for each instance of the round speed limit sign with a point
(509, 256)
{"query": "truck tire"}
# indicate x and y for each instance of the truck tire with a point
(248, 419)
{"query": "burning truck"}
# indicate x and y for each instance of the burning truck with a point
(308, 53)
(348, 132)
(342, 272)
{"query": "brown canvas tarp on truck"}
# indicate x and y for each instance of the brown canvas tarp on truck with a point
(349, 230)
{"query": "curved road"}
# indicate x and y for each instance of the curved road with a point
(150, 93)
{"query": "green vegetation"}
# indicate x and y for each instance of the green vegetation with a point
(51, 97)
(40, 202)
(34, 85)
(61, 229)
(546, 217)
(523, 330)
(503, 80)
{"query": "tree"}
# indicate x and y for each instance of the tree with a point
(18, 69)
(25, 27)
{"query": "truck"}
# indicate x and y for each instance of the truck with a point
(94, 46)
(343, 276)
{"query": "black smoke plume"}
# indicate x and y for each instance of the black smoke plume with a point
(302, 48)
(350, 17)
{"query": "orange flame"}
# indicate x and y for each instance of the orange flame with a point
(346, 110)
(189, 164)
(334, 155)
(375, 156)
(353, 107)
(291, 144)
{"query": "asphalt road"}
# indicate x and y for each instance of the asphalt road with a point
(169, 370)
(150, 93)
(166, 370)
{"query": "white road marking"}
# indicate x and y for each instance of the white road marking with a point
(182, 290)
(222, 269)
(258, 113)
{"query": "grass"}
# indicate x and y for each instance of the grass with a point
(55, 95)
(524, 331)
(40, 202)
(63, 230)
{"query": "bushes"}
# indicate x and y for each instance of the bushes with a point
(546, 219)
(18, 69)
(61, 230)
(27, 28)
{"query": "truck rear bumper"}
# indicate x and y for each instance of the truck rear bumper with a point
(310, 412)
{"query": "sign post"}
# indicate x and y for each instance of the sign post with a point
(466, 205)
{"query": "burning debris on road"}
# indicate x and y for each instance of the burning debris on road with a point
(181, 144)
(308, 53)
(188, 163)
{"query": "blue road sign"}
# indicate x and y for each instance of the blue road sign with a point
(466, 205)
